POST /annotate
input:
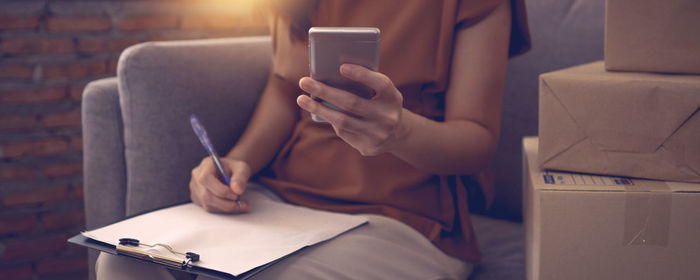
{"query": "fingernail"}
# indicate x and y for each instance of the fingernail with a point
(242, 205)
(308, 85)
(302, 100)
(347, 69)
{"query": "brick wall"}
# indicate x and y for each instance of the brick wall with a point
(49, 50)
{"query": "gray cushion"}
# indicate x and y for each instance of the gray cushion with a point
(502, 247)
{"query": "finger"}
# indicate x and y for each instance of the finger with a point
(214, 204)
(205, 168)
(215, 186)
(379, 82)
(340, 98)
(240, 173)
(339, 120)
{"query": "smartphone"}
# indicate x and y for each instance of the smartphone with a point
(330, 47)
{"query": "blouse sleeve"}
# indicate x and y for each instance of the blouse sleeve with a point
(519, 36)
(474, 9)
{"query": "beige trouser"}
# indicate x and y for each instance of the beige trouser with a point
(383, 249)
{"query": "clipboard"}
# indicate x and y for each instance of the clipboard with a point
(84, 241)
(219, 245)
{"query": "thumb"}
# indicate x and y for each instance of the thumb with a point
(240, 173)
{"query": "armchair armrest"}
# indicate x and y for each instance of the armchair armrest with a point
(104, 179)
(104, 176)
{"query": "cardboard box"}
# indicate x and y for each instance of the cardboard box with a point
(653, 35)
(580, 226)
(620, 123)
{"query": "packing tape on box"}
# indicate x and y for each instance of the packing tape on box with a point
(647, 213)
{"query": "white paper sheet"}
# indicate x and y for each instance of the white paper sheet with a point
(233, 244)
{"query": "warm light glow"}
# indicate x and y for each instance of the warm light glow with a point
(231, 7)
(222, 13)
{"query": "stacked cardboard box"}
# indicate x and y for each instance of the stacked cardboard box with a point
(620, 123)
(584, 226)
(628, 123)
(653, 36)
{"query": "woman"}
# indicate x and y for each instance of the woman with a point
(397, 157)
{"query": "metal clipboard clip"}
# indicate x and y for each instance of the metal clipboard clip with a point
(132, 247)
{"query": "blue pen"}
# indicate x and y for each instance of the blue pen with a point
(202, 135)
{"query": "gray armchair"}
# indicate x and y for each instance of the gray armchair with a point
(139, 148)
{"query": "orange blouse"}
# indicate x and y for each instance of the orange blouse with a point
(316, 168)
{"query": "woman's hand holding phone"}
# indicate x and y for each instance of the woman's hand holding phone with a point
(207, 190)
(372, 126)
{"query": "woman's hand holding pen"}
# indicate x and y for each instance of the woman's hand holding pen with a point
(207, 190)
(374, 125)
